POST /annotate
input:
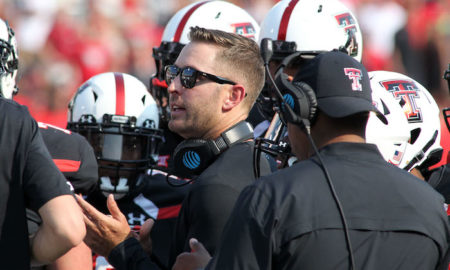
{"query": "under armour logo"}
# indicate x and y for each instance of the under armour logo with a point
(277, 44)
(87, 118)
(355, 75)
(133, 220)
(149, 124)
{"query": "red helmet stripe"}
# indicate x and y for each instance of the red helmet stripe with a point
(120, 94)
(285, 20)
(184, 20)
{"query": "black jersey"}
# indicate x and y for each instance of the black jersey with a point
(28, 178)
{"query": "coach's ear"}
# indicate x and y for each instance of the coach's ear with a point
(234, 95)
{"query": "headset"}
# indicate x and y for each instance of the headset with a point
(191, 157)
(299, 96)
(298, 105)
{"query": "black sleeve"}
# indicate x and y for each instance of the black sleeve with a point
(246, 239)
(129, 255)
(42, 179)
(85, 179)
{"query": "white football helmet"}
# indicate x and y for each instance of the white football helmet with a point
(218, 15)
(422, 113)
(9, 61)
(119, 118)
(311, 26)
(391, 138)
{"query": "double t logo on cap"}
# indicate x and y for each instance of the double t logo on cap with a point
(355, 75)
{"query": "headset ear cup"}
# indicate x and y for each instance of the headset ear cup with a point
(311, 99)
(191, 157)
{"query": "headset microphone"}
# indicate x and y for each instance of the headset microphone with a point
(266, 50)
(304, 96)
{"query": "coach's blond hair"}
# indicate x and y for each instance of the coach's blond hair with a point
(240, 56)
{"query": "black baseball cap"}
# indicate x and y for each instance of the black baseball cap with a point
(341, 84)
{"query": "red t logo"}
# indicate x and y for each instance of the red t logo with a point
(355, 75)
(408, 92)
(244, 29)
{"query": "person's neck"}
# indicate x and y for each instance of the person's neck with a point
(324, 141)
(225, 124)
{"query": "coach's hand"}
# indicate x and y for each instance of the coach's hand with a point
(104, 232)
(198, 258)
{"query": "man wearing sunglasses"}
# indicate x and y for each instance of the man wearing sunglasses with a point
(212, 86)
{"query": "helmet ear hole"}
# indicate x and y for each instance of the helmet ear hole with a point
(95, 96)
(415, 134)
(385, 108)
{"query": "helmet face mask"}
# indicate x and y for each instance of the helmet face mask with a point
(125, 140)
(275, 143)
(8, 61)
(165, 54)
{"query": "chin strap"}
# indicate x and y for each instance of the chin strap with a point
(417, 158)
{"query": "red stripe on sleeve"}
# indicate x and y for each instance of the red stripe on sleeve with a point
(184, 20)
(66, 165)
(120, 94)
(169, 212)
(285, 20)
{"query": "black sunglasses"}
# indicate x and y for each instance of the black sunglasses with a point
(189, 76)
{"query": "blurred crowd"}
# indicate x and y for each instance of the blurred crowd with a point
(62, 43)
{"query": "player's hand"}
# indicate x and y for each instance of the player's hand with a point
(198, 258)
(144, 236)
(104, 232)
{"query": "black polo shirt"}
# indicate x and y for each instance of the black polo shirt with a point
(28, 178)
(289, 220)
